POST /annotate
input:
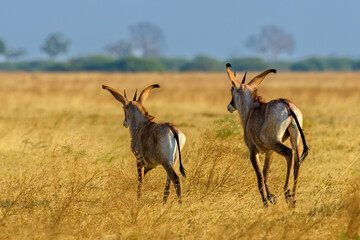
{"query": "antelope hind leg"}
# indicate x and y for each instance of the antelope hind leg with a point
(174, 178)
(296, 171)
(283, 150)
(166, 191)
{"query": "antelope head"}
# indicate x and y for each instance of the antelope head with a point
(134, 109)
(244, 95)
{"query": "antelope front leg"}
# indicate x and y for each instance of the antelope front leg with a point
(268, 159)
(140, 170)
(254, 157)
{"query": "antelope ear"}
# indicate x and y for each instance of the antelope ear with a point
(116, 94)
(145, 93)
(232, 76)
(259, 78)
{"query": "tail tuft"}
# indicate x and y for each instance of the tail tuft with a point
(182, 170)
(305, 152)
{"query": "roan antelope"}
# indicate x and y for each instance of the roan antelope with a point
(152, 143)
(266, 126)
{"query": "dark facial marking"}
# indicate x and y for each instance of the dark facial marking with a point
(232, 97)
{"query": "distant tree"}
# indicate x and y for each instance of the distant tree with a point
(90, 63)
(122, 48)
(356, 65)
(310, 64)
(173, 64)
(55, 44)
(135, 64)
(148, 38)
(324, 64)
(203, 64)
(13, 54)
(271, 41)
(3, 48)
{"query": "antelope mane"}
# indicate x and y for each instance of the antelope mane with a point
(256, 98)
(145, 113)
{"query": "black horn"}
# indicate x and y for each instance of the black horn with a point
(125, 94)
(243, 81)
(135, 95)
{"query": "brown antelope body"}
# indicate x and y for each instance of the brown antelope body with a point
(152, 144)
(267, 125)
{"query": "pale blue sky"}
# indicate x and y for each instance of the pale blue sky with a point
(191, 27)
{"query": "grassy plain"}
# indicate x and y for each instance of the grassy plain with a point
(67, 172)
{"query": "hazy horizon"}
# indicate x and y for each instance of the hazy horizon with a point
(217, 29)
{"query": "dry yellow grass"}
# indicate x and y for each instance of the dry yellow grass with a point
(67, 172)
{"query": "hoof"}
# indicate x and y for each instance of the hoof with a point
(265, 202)
(287, 194)
(290, 201)
(272, 198)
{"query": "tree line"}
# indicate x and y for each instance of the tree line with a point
(161, 64)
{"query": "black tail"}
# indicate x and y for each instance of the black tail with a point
(306, 148)
(176, 136)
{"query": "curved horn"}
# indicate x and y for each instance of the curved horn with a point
(134, 99)
(259, 78)
(145, 93)
(243, 81)
(232, 77)
(125, 94)
(116, 94)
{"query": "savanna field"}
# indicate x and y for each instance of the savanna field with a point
(67, 171)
